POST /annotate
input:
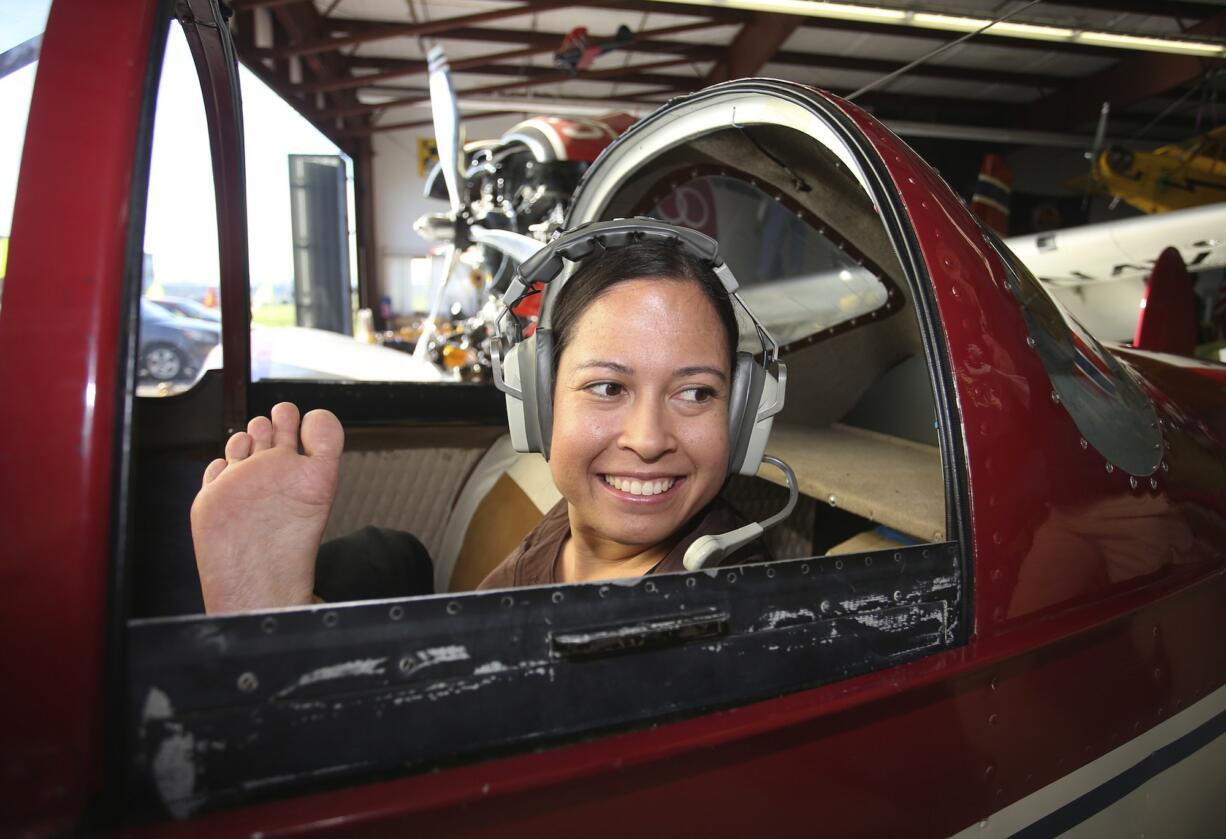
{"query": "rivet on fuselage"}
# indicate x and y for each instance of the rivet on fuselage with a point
(1055, 397)
(1153, 483)
(1084, 444)
(1030, 342)
(1110, 468)
(1132, 481)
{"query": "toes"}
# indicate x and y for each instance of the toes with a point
(260, 429)
(285, 425)
(212, 471)
(238, 447)
(322, 434)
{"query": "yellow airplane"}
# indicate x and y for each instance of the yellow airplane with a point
(1174, 177)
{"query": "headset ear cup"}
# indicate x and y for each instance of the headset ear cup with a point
(526, 362)
(543, 358)
(743, 398)
(517, 419)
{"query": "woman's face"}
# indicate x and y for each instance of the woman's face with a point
(640, 419)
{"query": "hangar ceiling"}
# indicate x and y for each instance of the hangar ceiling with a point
(357, 67)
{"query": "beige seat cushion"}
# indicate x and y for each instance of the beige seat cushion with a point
(505, 515)
(504, 498)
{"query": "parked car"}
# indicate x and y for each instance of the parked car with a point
(173, 347)
(185, 307)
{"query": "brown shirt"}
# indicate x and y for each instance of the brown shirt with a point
(538, 559)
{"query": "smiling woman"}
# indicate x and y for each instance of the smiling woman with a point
(643, 346)
(639, 396)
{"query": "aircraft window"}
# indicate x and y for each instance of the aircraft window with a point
(797, 278)
(20, 38)
(180, 322)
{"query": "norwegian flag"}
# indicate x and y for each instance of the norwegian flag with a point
(993, 191)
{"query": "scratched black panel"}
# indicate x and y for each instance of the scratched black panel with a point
(228, 710)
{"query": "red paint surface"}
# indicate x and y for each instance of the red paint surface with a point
(59, 360)
(1079, 642)
(1168, 308)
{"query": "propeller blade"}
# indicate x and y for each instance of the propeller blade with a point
(446, 115)
(515, 245)
(429, 327)
(1100, 135)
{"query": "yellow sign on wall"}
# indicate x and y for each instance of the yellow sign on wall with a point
(427, 155)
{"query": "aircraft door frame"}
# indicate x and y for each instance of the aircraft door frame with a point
(768, 102)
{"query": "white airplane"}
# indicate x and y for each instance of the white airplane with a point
(1098, 271)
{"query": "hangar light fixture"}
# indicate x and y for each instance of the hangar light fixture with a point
(958, 23)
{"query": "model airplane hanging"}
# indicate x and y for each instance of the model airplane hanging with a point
(578, 52)
(1173, 177)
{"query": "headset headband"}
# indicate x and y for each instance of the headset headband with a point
(546, 265)
(523, 367)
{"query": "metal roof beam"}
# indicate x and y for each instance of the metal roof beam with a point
(644, 41)
(754, 46)
(415, 67)
(538, 76)
(1167, 8)
(938, 36)
(931, 71)
(1130, 81)
(408, 30)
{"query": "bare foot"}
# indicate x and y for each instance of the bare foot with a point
(261, 511)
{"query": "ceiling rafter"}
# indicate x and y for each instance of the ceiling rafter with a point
(327, 95)
(1130, 81)
(277, 78)
(538, 76)
(408, 30)
(753, 47)
(368, 130)
(477, 61)
(302, 22)
(727, 15)
(649, 42)
(930, 71)
(1180, 9)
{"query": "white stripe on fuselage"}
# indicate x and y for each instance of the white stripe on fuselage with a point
(1186, 799)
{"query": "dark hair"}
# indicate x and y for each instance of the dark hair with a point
(599, 273)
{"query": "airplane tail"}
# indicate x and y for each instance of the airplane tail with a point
(1168, 308)
(992, 193)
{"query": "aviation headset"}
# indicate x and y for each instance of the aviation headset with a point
(523, 367)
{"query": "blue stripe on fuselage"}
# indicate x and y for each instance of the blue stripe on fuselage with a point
(1109, 792)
